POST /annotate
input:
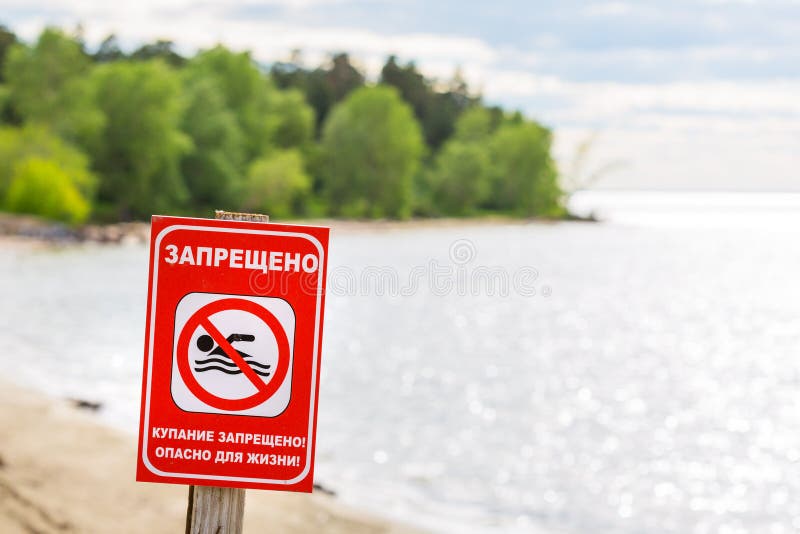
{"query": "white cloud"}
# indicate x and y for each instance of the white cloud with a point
(611, 101)
(698, 135)
(607, 9)
(204, 24)
(665, 159)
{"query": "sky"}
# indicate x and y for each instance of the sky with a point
(671, 94)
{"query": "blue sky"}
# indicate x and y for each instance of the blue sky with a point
(684, 94)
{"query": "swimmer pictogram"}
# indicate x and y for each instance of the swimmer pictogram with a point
(222, 362)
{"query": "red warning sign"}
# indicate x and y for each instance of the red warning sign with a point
(232, 353)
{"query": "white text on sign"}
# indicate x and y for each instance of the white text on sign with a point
(242, 259)
(268, 440)
(226, 456)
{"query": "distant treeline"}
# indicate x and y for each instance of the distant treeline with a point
(110, 135)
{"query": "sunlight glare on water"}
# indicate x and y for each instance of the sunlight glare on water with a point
(656, 388)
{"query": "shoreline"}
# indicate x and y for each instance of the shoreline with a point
(25, 228)
(62, 470)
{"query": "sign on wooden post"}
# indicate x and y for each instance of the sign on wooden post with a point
(232, 354)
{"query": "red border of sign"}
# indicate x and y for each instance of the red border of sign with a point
(318, 238)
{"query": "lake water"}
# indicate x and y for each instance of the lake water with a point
(638, 375)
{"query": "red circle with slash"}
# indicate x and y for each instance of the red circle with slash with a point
(265, 390)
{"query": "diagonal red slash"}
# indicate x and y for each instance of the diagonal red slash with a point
(233, 354)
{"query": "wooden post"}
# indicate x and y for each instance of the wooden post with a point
(214, 510)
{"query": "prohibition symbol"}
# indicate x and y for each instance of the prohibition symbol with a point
(203, 334)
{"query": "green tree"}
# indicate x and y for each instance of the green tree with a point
(236, 115)
(290, 74)
(436, 110)
(328, 85)
(372, 146)
(413, 87)
(475, 125)
(139, 158)
(343, 77)
(277, 184)
(41, 187)
(245, 91)
(214, 168)
(294, 119)
(48, 84)
(525, 180)
(160, 49)
(7, 40)
(460, 179)
(109, 50)
(36, 142)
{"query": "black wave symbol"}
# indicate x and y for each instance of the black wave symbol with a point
(230, 363)
(213, 364)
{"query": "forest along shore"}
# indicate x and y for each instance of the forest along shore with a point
(62, 471)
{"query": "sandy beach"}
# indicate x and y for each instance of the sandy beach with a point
(62, 471)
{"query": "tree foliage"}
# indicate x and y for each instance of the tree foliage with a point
(213, 168)
(437, 111)
(160, 49)
(36, 142)
(41, 187)
(294, 119)
(460, 178)
(323, 87)
(122, 134)
(277, 184)
(235, 115)
(524, 176)
(245, 91)
(372, 146)
(142, 141)
(475, 125)
(109, 50)
(48, 84)
(7, 40)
